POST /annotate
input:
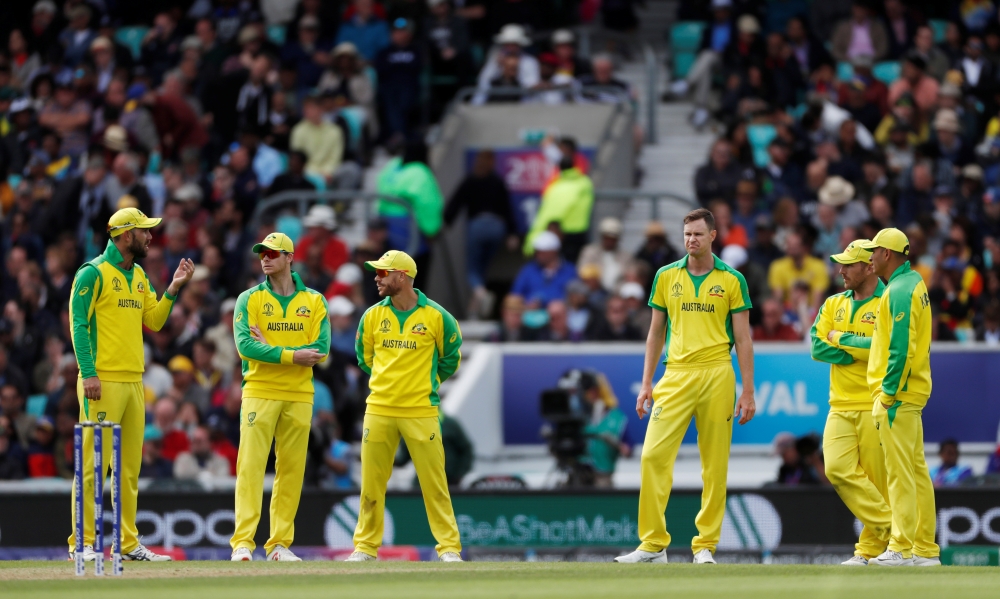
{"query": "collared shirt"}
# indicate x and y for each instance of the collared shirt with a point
(699, 311)
(784, 274)
(108, 309)
(288, 323)
(848, 353)
(535, 283)
(899, 366)
(408, 355)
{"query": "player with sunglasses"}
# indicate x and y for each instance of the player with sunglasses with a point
(409, 345)
(282, 331)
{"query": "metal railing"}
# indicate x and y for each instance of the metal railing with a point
(627, 195)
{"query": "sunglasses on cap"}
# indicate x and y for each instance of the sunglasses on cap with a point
(272, 254)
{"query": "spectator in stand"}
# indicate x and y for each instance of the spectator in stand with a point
(798, 266)
(41, 455)
(569, 62)
(989, 331)
(201, 461)
(154, 465)
(67, 115)
(544, 279)
(949, 473)
(76, 38)
(607, 254)
(161, 46)
(719, 177)
(177, 123)
(225, 419)
(484, 197)
(615, 326)
(367, 32)
(853, 98)
(294, 179)
(915, 81)
(916, 200)
(321, 225)
(398, 67)
(806, 48)
(901, 28)
(772, 326)
(511, 319)
(337, 460)
(729, 233)
(947, 148)
(937, 61)
(979, 73)
(505, 87)
(656, 250)
(309, 54)
(839, 195)
(781, 176)
(511, 41)
(185, 388)
(755, 275)
(12, 459)
(567, 202)
(323, 143)
(206, 375)
(861, 34)
(350, 86)
(12, 407)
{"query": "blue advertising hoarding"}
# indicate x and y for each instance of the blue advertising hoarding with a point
(791, 392)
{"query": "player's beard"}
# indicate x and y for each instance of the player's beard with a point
(137, 247)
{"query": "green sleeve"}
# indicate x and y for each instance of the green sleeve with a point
(248, 347)
(451, 344)
(900, 301)
(429, 206)
(363, 347)
(822, 350)
(84, 294)
(857, 341)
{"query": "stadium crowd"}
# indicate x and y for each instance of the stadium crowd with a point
(840, 118)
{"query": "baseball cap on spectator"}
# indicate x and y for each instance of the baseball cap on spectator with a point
(248, 34)
(394, 260)
(136, 91)
(546, 241)
(748, 24)
(19, 105)
(191, 42)
(46, 6)
(44, 422)
(853, 253)
(973, 172)
(152, 433)
(128, 219)
(180, 364)
(402, 23)
(349, 274)
(340, 306)
(632, 290)
(188, 192)
(863, 61)
(562, 36)
(950, 90)
(512, 34)
(228, 305)
(610, 226)
(734, 255)
(275, 241)
(322, 216)
(946, 120)
(345, 49)
(890, 239)
(836, 191)
(115, 138)
(101, 43)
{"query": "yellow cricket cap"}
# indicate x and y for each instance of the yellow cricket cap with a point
(853, 253)
(130, 218)
(275, 241)
(890, 239)
(180, 363)
(394, 260)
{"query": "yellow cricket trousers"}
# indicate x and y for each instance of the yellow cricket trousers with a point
(708, 393)
(911, 492)
(855, 466)
(262, 421)
(121, 403)
(378, 449)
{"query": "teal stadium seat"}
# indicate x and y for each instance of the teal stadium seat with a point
(939, 27)
(682, 61)
(276, 33)
(686, 35)
(759, 137)
(887, 72)
(131, 37)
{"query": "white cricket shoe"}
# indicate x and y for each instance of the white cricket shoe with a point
(241, 554)
(360, 556)
(450, 556)
(925, 562)
(141, 554)
(643, 557)
(704, 557)
(857, 560)
(89, 554)
(891, 558)
(282, 554)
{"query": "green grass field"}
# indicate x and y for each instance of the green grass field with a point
(396, 580)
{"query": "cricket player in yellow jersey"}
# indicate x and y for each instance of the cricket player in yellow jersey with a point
(899, 379)
(700, 309)
(282, 331)
(409, 345)
(112, 300)
(842, 337)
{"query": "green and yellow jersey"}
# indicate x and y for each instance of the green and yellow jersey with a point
(288, 323)
(900, 362)
(107, 311)
(848, 353)
(699, 311)
(408, 355)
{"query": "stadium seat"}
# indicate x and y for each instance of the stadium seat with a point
(682, 62)
(35, 405)
(276, 33)
(845, 71)
(290, 225)
(939, 27)
(686, 35)
(760, 136)
(132, 38)
(887, 72)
